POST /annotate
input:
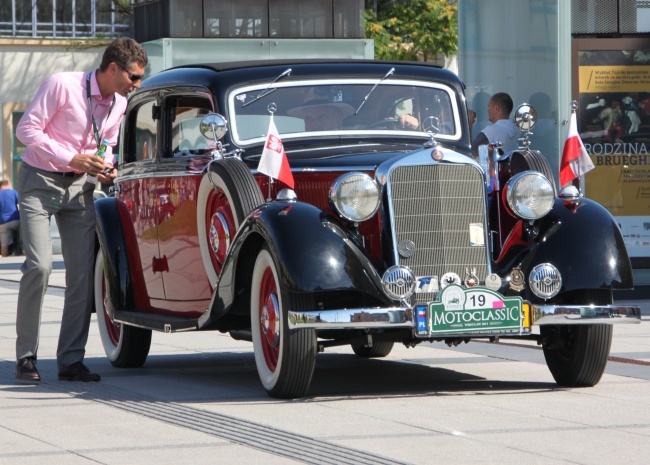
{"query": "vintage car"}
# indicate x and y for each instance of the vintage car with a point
(390, 234)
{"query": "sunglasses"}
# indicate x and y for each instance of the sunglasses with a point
(132, 77)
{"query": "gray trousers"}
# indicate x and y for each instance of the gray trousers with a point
(70, 200)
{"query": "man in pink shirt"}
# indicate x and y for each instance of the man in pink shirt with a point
(63, 126)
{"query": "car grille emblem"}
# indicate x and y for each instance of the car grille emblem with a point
(449, 278)
(517, 279)
(493, 281)
(471, 279)
(406, 248)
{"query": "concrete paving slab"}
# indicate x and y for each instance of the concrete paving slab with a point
(198, 400)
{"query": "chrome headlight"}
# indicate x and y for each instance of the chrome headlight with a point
(355, 196)
(530, 195)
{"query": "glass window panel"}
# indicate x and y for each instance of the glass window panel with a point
(146, 131)
(240, 19)
(348, 19)
(186, 114)
(522, 63)
(301, 18)
(185, 18)
(327, 106)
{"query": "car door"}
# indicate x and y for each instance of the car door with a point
(139, 190)
(185, 153)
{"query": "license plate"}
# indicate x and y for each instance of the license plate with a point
(474, 310)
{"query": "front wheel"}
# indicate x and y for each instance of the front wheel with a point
(125, 346)
(285, 359)
(576, 355)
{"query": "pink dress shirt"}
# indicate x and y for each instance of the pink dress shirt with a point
(57, 124)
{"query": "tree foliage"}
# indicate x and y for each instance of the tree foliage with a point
(413, 30)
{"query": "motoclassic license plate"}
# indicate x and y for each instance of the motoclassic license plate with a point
(475, 310)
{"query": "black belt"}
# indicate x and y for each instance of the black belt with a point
(65, 174)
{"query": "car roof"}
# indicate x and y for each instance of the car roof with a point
(242, 71)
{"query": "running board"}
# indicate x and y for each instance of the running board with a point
(163, 323)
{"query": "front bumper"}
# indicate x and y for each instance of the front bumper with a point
(576, 314)
(400, 317)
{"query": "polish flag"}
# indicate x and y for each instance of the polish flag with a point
(575, 159)
(273, 161)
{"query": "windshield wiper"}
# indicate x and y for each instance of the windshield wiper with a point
(268, 89)
(390, 72)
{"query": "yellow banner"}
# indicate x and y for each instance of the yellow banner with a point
(624, 189)
(614, 78)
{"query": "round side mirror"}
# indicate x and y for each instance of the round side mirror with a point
(525, 117)
(213, 126)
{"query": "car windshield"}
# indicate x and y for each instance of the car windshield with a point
(344, 108)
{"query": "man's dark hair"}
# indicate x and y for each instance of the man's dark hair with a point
(4, 182)
(123, 52)
(504, 101)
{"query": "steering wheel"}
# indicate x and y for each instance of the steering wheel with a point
(386, 123)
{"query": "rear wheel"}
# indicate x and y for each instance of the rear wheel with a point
(378, 349)
(227, 194)
(285, 358)
(125, 346)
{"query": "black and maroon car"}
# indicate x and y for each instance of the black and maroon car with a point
(391, 234)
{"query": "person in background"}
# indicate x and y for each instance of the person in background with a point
(502, 130)
(479, 106)
(62, 128)
(9, 216)
(471, 118)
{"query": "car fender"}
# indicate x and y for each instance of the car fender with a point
(113, 238)
(581, 238)
(315, 253)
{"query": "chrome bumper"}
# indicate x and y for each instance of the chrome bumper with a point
(398, 317)
(577, 315)
(360, 318)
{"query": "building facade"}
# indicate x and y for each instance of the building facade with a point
(70, 35)
(595, 52)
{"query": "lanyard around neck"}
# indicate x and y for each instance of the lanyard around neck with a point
(90, 105)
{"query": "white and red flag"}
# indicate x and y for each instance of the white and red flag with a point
(273, 161)
(575, 159)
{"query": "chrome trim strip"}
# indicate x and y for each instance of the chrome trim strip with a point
(132, 177)
(582, 315)
(359, 318)
(158, 175)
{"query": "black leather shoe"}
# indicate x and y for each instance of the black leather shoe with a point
(26, 369)
(78, 372)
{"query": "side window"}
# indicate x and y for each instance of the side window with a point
(146, 132)
(185, 114)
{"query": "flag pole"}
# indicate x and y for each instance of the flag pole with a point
(271, 108)
(574, 108)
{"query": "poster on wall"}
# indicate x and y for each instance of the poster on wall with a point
(614, 124)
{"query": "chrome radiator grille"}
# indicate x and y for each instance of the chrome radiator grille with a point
(433, 206)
